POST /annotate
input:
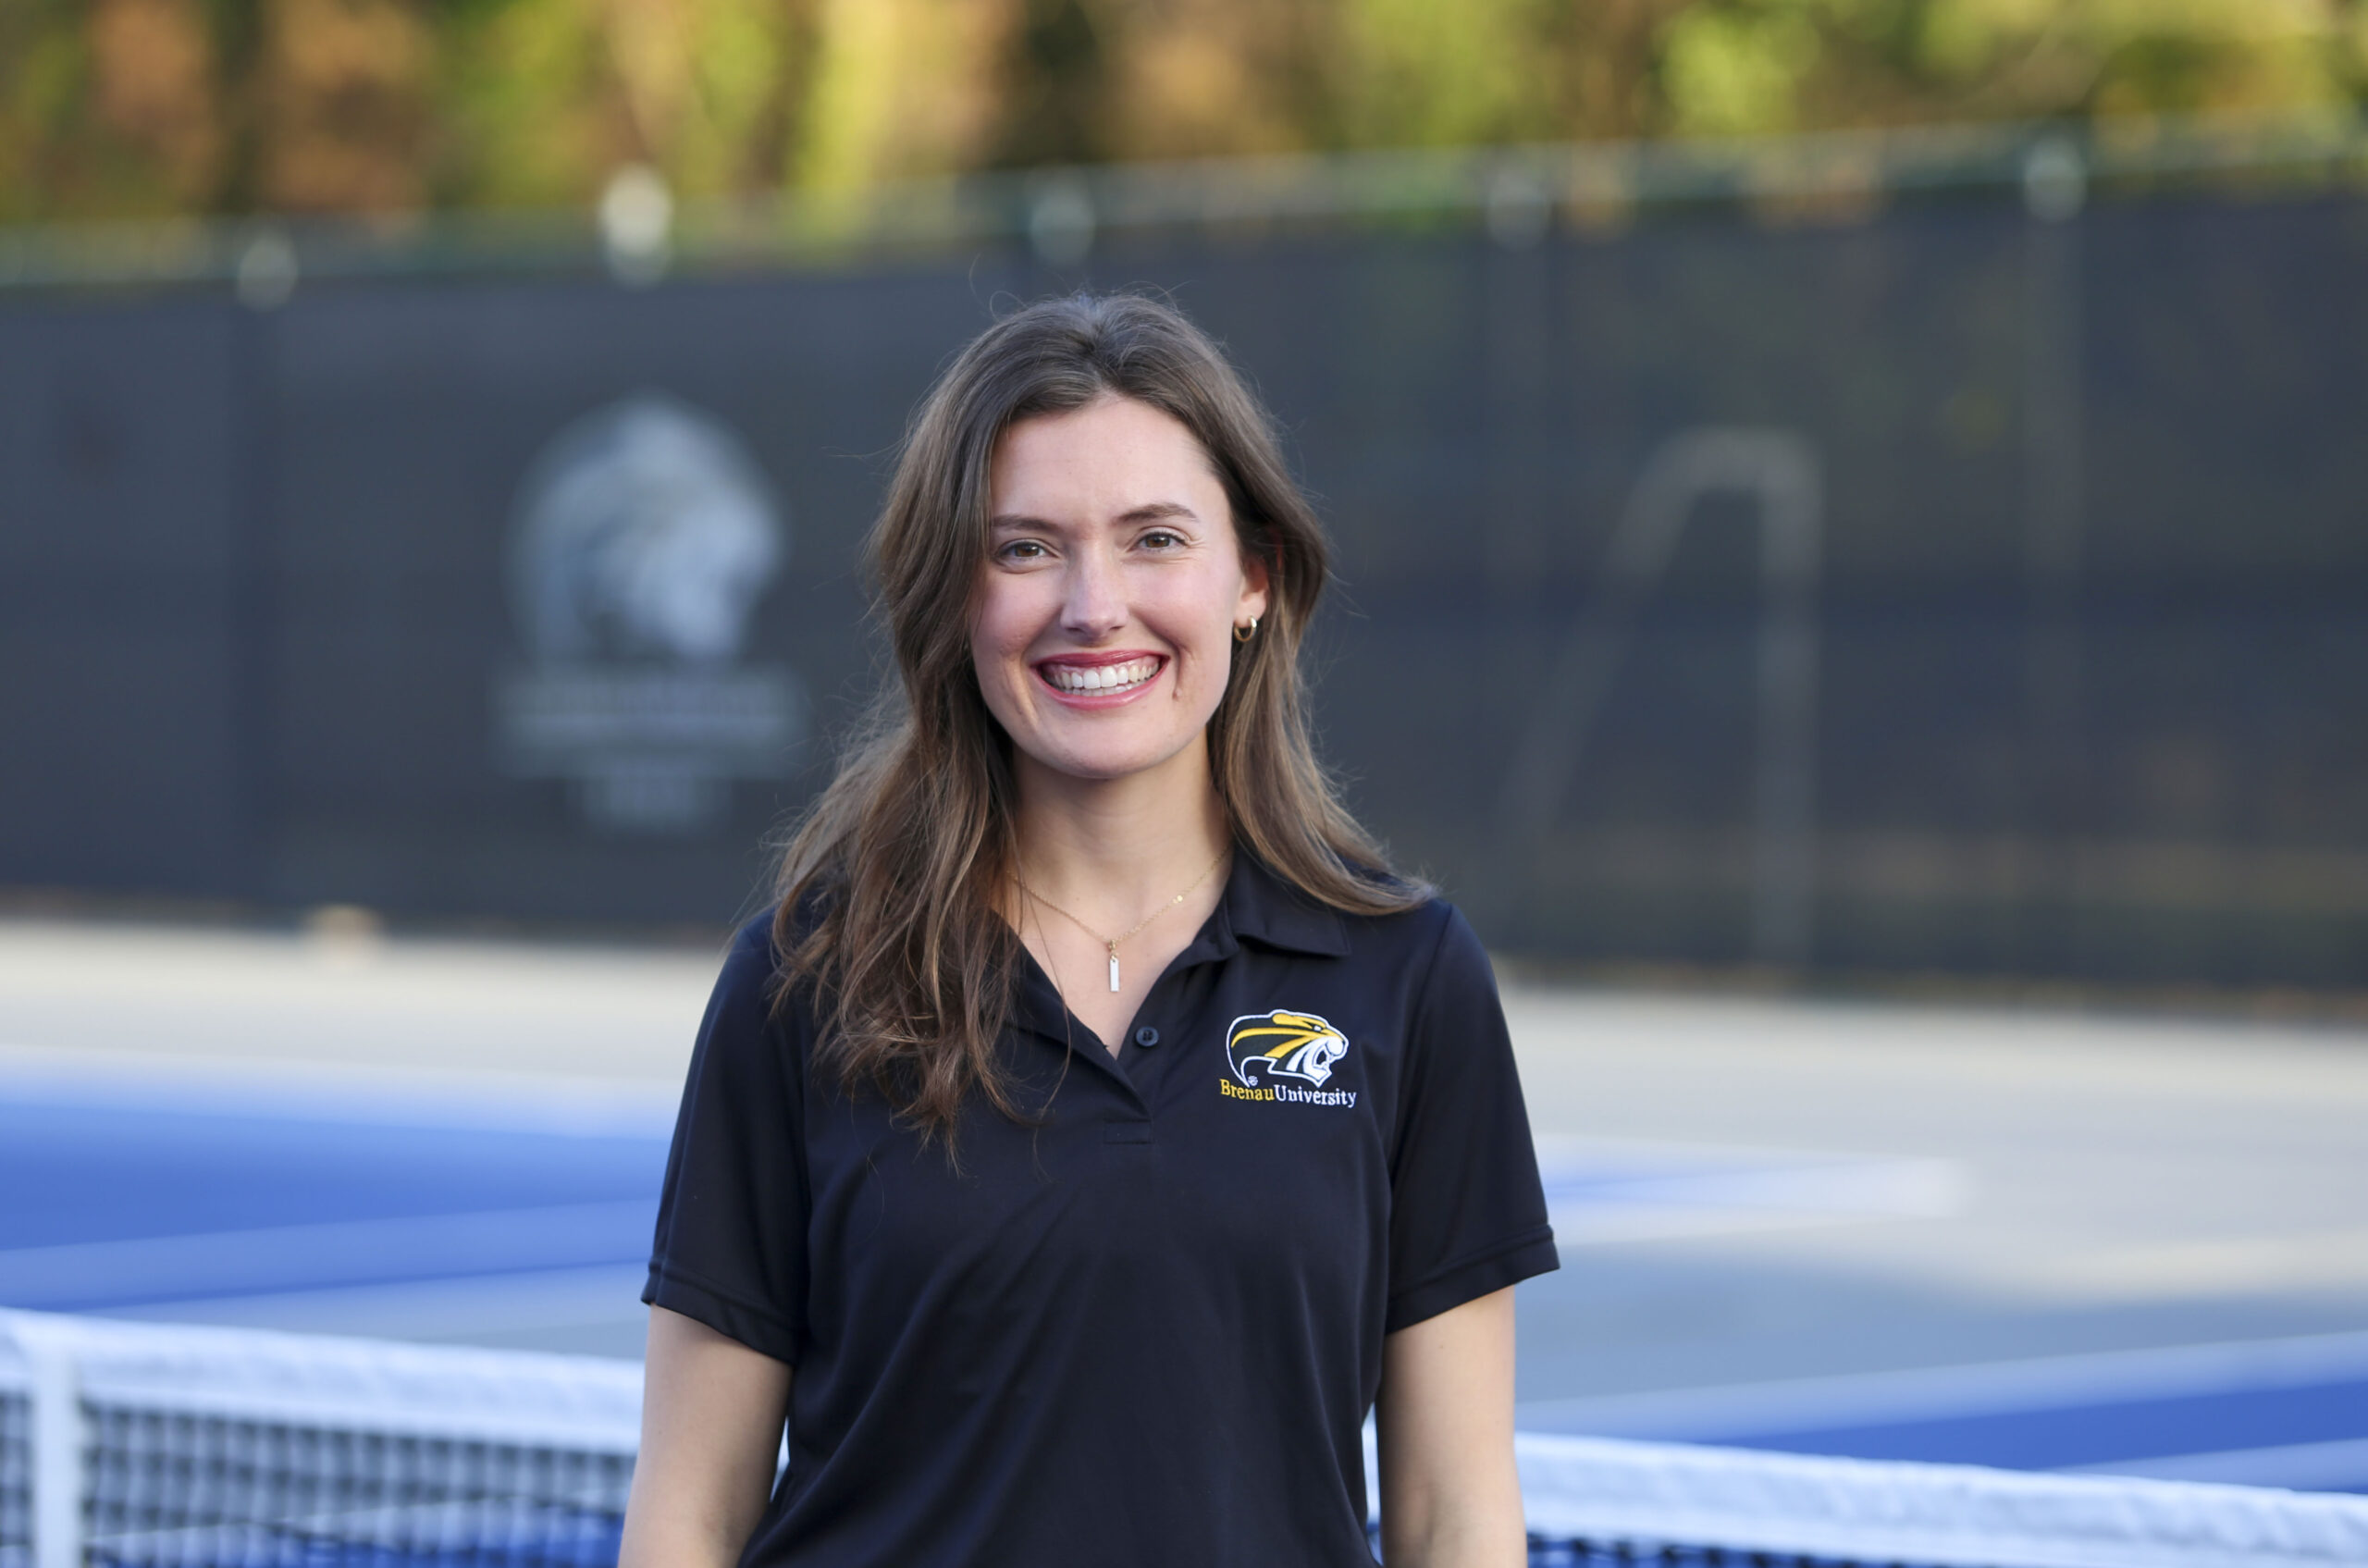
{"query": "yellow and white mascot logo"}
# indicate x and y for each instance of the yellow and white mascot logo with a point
(1278, 1044)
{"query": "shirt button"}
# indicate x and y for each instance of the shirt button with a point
(1146, 1037)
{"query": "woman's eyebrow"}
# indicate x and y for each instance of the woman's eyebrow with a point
(1158, 511)
(1150, 512)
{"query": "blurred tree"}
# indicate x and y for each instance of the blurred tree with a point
(1522, 70)
(1215, 78)
(547, 97)
(141, 107)
(1746, 65)
(153, 91)
(109, 108)
(138, 107)
(901, 88)
(1055, 88)
(341, 103)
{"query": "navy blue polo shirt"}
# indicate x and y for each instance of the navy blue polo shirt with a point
(1147, 1329)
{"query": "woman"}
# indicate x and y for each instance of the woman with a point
(1096, 1130)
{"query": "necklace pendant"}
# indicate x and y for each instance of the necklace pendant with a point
(1114, 968)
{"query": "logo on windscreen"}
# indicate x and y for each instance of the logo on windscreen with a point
(642, 538)
(1264, 1049)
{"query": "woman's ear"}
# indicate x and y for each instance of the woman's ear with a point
(1257, 588)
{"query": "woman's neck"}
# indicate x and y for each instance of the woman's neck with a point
(1107, 849)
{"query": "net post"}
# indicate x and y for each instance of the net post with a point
(57, 1388)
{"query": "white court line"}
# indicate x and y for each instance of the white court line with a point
(2339, 1465)
(428, 1309)
(1993, 1389)
(335, 1094)
(1603, 1192)
(299, 1256)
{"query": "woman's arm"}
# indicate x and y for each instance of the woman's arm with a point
(1450, 1497)
(711, 1413)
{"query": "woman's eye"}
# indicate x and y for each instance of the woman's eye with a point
(1023, 550)
(1160, 539)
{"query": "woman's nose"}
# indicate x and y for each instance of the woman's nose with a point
(1096, 602)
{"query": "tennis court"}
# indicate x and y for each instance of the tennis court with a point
(1842, 1235)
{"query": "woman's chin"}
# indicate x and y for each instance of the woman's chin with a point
(1104, 764)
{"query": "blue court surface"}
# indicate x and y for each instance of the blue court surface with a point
(166, 1197)
(120, 1198)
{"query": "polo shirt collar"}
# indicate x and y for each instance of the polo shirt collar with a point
(1260, 907)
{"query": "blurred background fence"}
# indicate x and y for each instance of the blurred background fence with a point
(1875, 552)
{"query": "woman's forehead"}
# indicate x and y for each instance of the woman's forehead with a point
(1114, 459)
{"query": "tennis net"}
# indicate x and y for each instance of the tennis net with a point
(141, 1445)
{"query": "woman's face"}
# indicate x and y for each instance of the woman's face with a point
(1103, 629)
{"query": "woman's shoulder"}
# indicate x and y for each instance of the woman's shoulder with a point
(765, 939)
(1405, 902)
(1403, 919)
(1420, 933)
(755, 948)
(756, 966)
(1426, 923)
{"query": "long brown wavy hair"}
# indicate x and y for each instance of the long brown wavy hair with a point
(894, 885)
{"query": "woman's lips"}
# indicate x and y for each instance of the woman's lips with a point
(1101, 677)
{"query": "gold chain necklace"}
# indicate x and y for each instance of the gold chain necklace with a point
(1112, 941)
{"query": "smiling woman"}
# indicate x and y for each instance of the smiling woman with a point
(1068, 1271)
(1109, 520)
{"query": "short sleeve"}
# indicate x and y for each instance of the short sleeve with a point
(732, 1218)
(1467, 1212)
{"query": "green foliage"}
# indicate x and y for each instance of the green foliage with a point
(1728, 70)
(1424, 74)
(148, 107)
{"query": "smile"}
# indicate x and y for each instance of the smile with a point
(1100, 680)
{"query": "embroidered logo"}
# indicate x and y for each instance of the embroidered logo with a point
(1262, 1047)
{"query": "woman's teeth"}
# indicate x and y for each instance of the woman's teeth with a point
(1097, 678)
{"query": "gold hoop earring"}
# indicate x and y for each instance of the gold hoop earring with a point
(1243, 634)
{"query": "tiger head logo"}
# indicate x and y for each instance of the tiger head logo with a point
(645, 534)
(1280, 1044)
